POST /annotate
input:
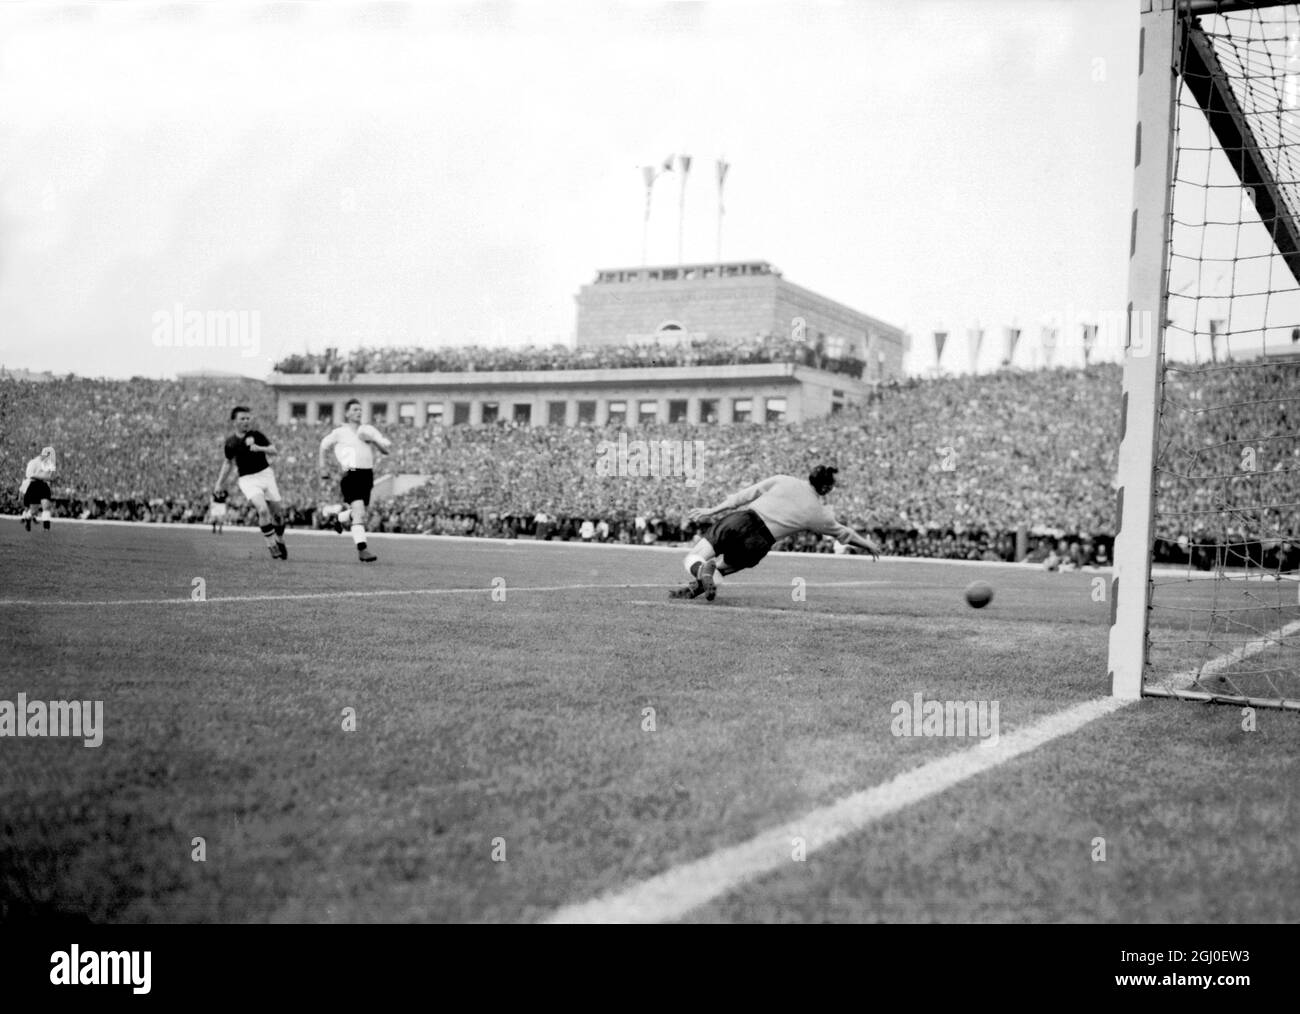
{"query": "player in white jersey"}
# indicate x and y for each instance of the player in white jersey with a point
(778, 506)
(352, 444)
(35, 488)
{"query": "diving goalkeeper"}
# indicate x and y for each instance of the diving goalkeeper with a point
(752, 520)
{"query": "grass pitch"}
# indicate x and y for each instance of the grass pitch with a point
(537, 725)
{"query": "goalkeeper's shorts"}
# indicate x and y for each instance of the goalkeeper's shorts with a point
(742, 539)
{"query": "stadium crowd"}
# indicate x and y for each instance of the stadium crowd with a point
(982, 467)
(345, 367)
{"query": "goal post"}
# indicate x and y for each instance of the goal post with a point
(1205, 600)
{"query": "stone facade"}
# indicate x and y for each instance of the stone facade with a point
(731, 301)
(754, 392)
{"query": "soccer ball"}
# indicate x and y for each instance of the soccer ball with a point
(979, 595)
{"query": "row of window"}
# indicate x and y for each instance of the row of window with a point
(742, 410)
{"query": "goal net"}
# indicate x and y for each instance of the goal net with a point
(1206, 596)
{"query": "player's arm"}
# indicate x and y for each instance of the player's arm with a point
(377, 440)
(224, 474)
(734, 502)
(849, 537)
(267, 448)
(329, 441)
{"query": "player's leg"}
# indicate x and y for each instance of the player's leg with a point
(701, 551)
(277, 526)
(357, 528)
(699, 554)
(356, 488)
(46, 514)
(743, 544)
(275, 506)
(258, 499)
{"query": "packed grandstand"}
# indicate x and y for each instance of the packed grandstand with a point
(969, 467)
(691, 351)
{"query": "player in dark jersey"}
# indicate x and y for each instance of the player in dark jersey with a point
(247, 452)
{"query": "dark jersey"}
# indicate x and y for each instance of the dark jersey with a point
(248, 462)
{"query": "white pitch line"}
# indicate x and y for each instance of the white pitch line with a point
(183, 597)
(676, 892)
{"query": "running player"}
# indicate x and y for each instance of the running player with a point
(35, 489)
(352, 443)
(778, 506)
(247, 451)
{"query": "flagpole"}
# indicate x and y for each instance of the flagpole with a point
(648, 174)
(684, 164)
(722, 176)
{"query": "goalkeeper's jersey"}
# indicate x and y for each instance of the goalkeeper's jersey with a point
(788, 505)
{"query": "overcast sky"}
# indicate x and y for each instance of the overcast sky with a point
(381, 174)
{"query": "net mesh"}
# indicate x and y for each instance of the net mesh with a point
(1225, 605)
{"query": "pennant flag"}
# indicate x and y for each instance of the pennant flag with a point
(649, 173)
(1089, 338)
(939, 338)
(668, 164)
(975, 341)
(1012, 337)
(722, 178)
(684, 163)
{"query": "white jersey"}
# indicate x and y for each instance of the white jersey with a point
(352, 446)
(40, 468)
(788, 505)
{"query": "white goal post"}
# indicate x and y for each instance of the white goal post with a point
(1209, 459)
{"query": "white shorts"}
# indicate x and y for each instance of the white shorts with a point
(260, 484)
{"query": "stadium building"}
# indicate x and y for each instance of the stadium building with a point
(820, 357)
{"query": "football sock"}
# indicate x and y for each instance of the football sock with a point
(345, 516)
(269, 532)
(359, 535)
(279, 532)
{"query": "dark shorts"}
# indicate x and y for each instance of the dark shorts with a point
(356, 485)
(37, 490)
(741, 538)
